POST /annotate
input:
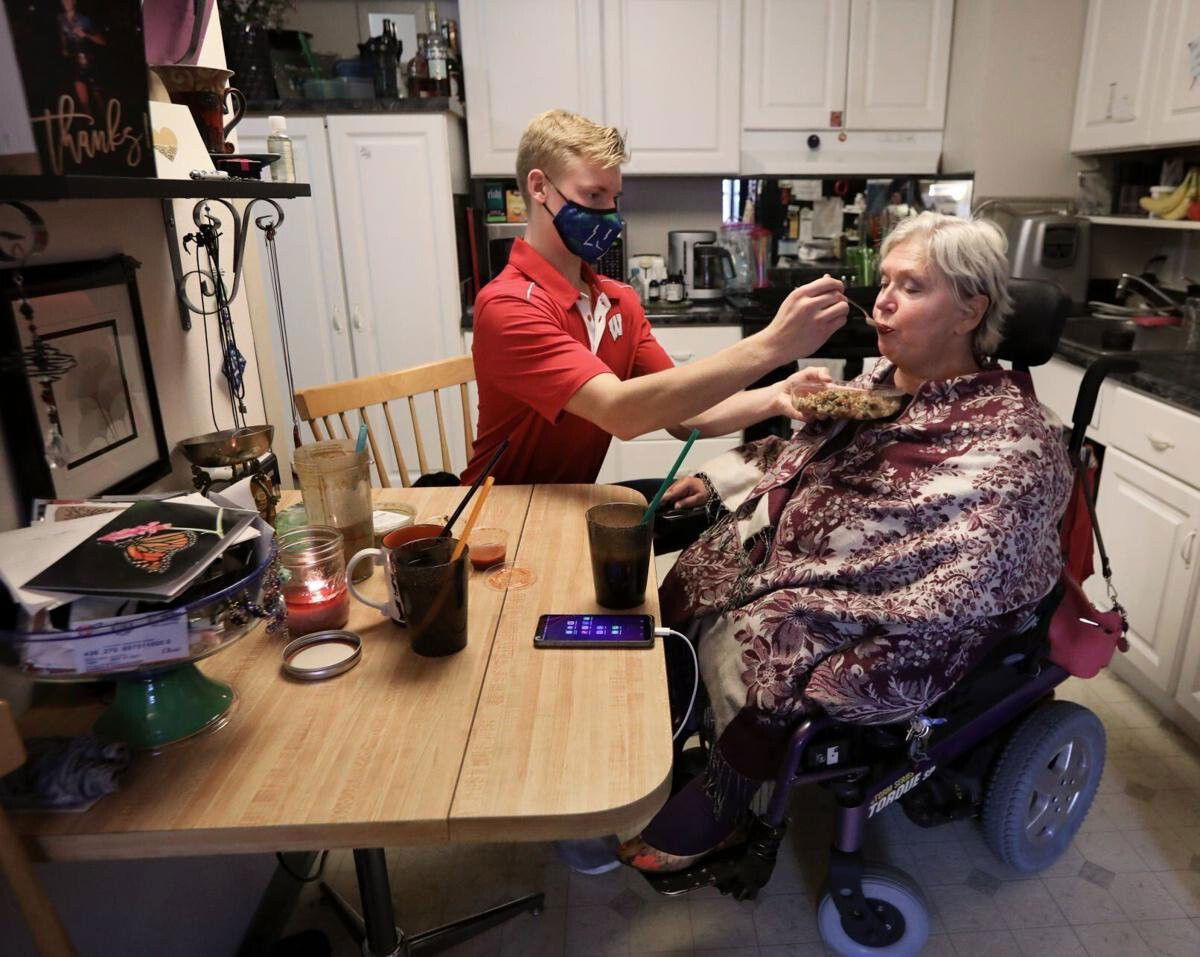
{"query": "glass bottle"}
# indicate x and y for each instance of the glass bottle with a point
(418, 70)
(283, 170)
(454, 59)
(437, 55)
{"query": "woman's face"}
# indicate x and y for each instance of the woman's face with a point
(919, 325)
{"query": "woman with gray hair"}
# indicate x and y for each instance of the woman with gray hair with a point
(863, 567)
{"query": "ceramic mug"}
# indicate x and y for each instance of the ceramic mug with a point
(203, 91)
(383, 556)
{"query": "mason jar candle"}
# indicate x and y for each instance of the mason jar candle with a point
(313, 579)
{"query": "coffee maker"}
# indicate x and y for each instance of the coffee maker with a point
(712, 271)
(681, 257)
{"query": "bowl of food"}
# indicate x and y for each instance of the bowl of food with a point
(836, 400)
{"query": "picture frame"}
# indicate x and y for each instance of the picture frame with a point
(107, 405)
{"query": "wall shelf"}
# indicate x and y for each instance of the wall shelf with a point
(1144, 222)
(134, 187)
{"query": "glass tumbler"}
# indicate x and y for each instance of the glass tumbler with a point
(335, 483)
(313, 579)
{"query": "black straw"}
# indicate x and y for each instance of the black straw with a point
(487, 470)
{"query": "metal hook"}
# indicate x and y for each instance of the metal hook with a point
(205, 221)
(37, 238)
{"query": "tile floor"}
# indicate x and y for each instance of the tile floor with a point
(1129, 885)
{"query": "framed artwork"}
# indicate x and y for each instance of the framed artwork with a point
(107, 404)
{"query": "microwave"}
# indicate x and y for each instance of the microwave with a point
(498, 240)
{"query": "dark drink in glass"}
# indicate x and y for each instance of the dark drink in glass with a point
(620, 549)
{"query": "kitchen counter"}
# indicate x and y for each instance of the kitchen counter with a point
(302, 107)
(1172, 379)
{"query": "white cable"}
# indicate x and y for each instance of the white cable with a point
(662, 633)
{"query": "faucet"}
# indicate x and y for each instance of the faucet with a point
(1127, 278)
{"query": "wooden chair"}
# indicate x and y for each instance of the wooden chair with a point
(47, 931)
(322, 405)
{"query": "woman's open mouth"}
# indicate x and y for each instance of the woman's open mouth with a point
(883, 329)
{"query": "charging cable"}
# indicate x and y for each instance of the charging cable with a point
(662, 633)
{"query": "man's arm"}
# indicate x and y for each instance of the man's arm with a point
(627, 409)
(751, 406)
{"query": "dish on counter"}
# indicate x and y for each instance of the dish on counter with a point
(840, 401)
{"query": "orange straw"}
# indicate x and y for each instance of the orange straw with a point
(466, 532)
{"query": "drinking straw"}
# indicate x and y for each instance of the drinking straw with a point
(670, 477)
(466, 532)
(362, 439)
(487, 470)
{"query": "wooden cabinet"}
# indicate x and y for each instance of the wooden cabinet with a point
(369, 264)
(899, 62)
(1122, 46)
(521, 57)
(672, 81)
(1175, 107)
(782, 89)
(1151, 522)
(667, 74)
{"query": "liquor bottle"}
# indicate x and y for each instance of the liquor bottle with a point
(418, 70)
(453, 59)
(436, 55)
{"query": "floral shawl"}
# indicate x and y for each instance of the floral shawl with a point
(866, 573)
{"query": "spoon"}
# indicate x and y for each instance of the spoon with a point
(867, 317)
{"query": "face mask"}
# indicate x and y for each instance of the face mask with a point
(586, 232)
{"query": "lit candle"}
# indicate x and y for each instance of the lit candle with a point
(316, 607)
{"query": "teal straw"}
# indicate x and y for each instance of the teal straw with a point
(362, 439)
(670, 477)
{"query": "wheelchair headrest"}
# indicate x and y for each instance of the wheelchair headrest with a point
(1039, 313)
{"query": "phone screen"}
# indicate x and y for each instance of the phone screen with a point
(596, 630)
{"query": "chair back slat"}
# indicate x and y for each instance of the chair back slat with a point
(380, 465)
(319, 405)
(437, 408)
(422, 463)
(469, 433)
(404, 479)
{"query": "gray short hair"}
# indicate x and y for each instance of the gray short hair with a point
(970, 254)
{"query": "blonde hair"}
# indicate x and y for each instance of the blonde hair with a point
(970, 254)
(554, 138)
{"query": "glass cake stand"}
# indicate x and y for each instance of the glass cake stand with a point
(162, 698)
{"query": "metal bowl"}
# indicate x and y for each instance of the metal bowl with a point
(228, 447)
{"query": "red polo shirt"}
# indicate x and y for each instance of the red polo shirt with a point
(532, 353)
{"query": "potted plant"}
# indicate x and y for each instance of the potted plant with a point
(244, 24)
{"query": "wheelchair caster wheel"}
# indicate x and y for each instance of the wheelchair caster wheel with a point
(897, 900)
(1043, 784)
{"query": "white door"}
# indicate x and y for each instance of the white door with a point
(521, 57)
(794, 63)
(1117, 73)
(396, 223)
(899, 64)
(672, 82)
(1149, 521)
(310, 265)
(1188, 694)
(1175, 108)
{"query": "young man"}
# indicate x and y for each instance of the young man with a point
(565, 359)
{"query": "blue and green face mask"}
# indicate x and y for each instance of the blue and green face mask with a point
(586, 232)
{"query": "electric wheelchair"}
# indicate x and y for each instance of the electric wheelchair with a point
(998, 747)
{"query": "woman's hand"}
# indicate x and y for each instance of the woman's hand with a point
(805, 379)
(686, 493)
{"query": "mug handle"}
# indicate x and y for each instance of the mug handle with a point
(377, 556)
(239, 106)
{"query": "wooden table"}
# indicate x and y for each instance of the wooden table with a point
(500, 742)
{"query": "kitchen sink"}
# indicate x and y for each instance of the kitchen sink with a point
(1095, 334)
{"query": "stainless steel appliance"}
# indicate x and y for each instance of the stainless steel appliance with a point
(1053, 247)
(712, 271)
(680, 244)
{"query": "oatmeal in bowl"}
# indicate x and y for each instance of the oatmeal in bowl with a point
(837, 400)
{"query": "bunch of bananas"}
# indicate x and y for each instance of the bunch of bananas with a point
(1185, 201)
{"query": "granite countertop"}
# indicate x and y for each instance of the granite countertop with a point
(1174, 379)
(301, 107)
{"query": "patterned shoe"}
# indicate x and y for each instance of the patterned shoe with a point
(644, 857)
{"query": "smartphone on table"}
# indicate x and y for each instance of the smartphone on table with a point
(594, 631)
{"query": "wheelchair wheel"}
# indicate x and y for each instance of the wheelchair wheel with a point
(1042, 787)
(897, 898)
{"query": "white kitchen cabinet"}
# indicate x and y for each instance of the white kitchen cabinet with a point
(1187, 694)
(1122, 45)
(314, 293)
(1150, 521)
(899, 62)
(1057, 386)
(672, 76)
(369, 264)
(783, 89)
(1175, 106)
(522, 57)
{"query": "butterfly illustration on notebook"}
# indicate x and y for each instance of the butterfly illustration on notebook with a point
(151, 546)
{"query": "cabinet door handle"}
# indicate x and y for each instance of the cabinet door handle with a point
(339, 325)
(682, 357)
(356, 320)
(1159, 443)
(1186, 552)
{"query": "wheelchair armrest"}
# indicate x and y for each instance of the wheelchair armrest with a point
(1089, 390)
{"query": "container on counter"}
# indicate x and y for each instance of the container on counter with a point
(313, 579)
(335, 483)
(283, 170)
(674, 290)
(654, 291)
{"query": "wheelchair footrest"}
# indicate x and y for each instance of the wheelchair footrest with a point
(717, 869)
(740, 871)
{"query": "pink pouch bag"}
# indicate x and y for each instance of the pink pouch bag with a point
(1082, 638)
(174, 29)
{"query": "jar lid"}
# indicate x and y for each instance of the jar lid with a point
(323, 654)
